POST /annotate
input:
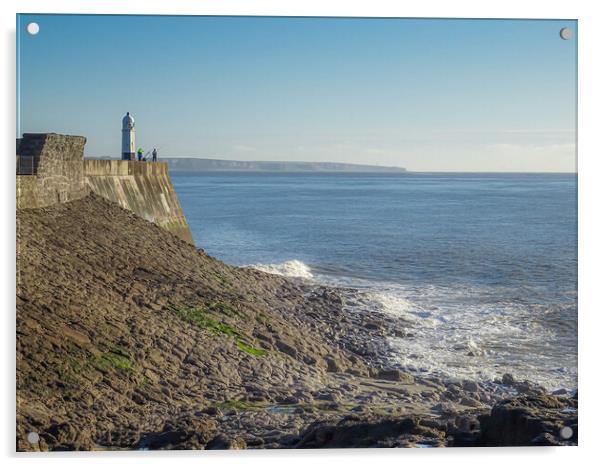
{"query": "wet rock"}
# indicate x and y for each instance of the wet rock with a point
(183, 434)
(354, 432)
(530, 420)
(470, 386)
(223, 442)
(371, 325)
(508, 379)
(529, 388)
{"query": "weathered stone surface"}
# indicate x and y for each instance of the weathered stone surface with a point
(93, 343)
(122, 344)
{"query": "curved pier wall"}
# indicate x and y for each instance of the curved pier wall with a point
(142, 187)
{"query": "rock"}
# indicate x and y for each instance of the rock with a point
(223, 442)
(213, 411)
(429, 394)
(454, 389)
(526, 420)
(66, 436)
(332, 365)
(395, 375)
(508, 379)
(470, 402)
(528, 388)
(370, 325)
(286, 348)
(467, 423)
(328, 396)
(181, 434)
(445, 408)
(161, 333)
(546, 440)
(289, 400)
(138, 398)
(364, 432)
(309, 360)
(470, 386)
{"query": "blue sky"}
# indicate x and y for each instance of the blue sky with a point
(429, 95)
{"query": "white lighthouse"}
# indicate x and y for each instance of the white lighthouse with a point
(128, 138)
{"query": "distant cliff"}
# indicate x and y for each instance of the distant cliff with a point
(204, 165)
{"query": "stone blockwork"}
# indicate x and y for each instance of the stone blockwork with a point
(56, 162)
(51, 169)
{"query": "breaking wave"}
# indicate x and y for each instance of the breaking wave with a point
(293, 268)
(464, 331)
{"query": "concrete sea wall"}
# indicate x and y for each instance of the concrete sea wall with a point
(51, 169)
(143, 187)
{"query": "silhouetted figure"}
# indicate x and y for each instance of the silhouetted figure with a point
(155, 154)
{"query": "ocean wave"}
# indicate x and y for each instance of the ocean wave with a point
(462, 331)
(293, 268)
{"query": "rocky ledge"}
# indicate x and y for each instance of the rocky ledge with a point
(129, 338)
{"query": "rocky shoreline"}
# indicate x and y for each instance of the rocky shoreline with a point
(129, 338)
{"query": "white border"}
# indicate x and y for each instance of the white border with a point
(590, 232)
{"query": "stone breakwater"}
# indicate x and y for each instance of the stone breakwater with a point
(122, 344)
(51, 170)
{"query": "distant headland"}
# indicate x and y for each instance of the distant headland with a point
(204, 165)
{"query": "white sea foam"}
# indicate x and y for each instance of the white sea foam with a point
(455, 331)
(293, 268)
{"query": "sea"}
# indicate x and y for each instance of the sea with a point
(481, 267)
